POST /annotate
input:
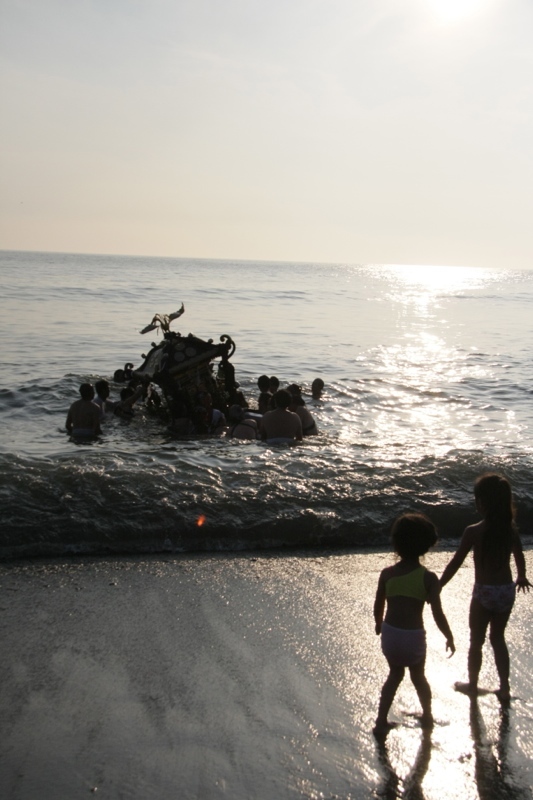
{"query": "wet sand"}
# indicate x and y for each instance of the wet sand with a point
(248, 676)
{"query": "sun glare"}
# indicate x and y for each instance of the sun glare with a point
(449, 11)
(438, 279)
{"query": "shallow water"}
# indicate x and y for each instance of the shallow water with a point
(428, 382)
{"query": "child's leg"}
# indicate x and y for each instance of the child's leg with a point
(479, 620)
(388, 691)
(501, 653)
(423, 690)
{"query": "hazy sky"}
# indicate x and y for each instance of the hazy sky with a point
(396, 131)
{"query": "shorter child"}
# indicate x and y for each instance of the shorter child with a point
(405, 587)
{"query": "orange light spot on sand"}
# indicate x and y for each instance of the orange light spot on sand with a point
(200, 521)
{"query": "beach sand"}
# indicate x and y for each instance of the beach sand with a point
(242, 676)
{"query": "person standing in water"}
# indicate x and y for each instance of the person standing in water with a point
(404, 588)
(317, 387)
(102, 397)
(281, 426)
(83, 418)
(494, 539)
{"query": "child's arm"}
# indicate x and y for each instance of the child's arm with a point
(522, 582)
(438, 613)
(461, 553)
(379, 603)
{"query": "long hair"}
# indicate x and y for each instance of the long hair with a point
(494, 493)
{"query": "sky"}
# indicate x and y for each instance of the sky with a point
(352, 131)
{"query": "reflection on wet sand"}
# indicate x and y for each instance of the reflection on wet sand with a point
(254, 676)
(495, 777)
(411, 786)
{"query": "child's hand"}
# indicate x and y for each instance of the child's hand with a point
(450, 645)
(522, 584)
(378, 628)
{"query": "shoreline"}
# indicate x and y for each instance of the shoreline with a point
(303, 543)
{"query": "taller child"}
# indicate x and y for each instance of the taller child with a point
(493, 540)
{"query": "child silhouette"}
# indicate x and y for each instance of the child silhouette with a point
(404, 588)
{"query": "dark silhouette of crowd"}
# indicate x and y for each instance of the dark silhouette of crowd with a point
(276, 416)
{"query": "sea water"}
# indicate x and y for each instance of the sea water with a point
(429, 382)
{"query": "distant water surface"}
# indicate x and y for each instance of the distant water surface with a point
(429, 381)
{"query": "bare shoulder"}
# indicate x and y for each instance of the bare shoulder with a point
(477, 527)
(386, 573)
(472, 533)
(431, 580)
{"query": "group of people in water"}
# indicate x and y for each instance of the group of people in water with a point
(85, 415)
(406, 586)
(282, 415)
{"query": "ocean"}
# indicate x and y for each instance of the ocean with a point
(428, 375)
(148, 656)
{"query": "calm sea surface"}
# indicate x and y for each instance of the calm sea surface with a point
(429, 381)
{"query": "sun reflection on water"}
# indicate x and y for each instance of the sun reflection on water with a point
(434, 279)
(419, 400)
(420, 288)
(425, 361)
(414, 389)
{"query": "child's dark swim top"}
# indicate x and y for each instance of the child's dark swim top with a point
(410, 585)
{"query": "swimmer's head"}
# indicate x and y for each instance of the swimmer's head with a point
(282, 399)
(413, 535)
(86, 391)
(317, 387)
(102, 389)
